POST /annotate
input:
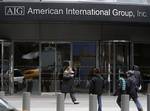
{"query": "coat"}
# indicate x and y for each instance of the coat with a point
(67, 85)
(132, 87)
(96, 85)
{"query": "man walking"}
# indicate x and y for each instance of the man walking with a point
(96, 85)
(137, 75)
(132, 89)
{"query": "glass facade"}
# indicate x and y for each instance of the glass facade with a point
(26, 66)
(37, 66)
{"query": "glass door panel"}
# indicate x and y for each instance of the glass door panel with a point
(6, 66)
(84, 59)
(26, 67)
(53, 55)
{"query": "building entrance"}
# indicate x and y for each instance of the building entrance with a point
(115, 57)
(41, 64)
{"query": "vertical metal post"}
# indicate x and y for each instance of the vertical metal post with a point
(2, 94)
(2, 62)
(109, 66)
(132, 54)
(60, 102)
(124, 102)
(26, 101)
(148, 102)
(114, 67)
(11, 86)
(97, 54)
(92, 102)
(55, 70)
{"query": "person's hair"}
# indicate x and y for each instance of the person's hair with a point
(96, 70)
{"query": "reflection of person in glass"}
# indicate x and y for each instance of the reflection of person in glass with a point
(68, 82)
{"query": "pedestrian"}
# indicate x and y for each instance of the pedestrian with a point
(67, 85)
(96, 85)
(137, 75)
(121, 88)
(132, 89)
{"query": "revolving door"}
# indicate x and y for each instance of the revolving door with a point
(115, 57)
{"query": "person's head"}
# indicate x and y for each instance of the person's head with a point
(96, 71)
(130, 73)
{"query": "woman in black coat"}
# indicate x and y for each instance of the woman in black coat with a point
(68, 83)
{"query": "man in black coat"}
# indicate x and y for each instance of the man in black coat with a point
(96, 85)
(137, 75)
(132, 89)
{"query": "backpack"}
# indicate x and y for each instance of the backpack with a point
(122, 84)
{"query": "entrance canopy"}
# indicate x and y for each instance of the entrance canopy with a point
(11, 11)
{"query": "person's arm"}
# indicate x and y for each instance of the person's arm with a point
(91, 86)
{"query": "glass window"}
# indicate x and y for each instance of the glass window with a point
(26, 66)
(84, 58)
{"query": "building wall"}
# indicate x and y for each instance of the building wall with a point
(73, 32)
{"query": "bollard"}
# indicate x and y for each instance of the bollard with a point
(26, 101)
(148, 102)
(60, 102)
(92, 102)
(2, 94)
(124, 102)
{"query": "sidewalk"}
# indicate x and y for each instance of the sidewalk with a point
(47, 102)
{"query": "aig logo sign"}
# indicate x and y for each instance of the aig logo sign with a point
(15, 10)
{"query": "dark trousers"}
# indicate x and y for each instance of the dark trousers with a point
(119, 100)
(136, 101)
(99, 102)
(72, 95)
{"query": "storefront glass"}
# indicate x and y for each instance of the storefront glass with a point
(52, 57)
(6, 76)
(84, 59)
(26, 67)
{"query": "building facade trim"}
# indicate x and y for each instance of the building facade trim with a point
(23, 11)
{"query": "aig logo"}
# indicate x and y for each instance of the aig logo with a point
(15, 10)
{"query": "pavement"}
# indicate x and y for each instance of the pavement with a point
(47, 102)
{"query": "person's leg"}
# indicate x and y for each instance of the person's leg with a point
(119, 100)
(138, 104)
(99, 103)
(74, 100)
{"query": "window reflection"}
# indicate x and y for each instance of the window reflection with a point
(26, 66)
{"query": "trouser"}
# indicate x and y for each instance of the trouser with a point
(136, 101)
(72, 95)
(138, 104)
(119, 100)
(99, 102)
